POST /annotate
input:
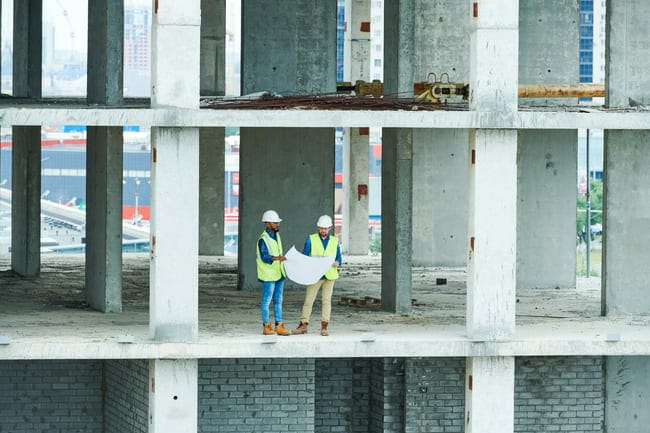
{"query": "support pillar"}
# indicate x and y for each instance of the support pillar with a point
(492, 228)
(27, 49)
(356, 140)
(26, 201)
(173, 395)
(440, 170)
(104, 218)
(397, 163)
(626, 210)
(547, 160)
(175, 180)
(26, 155)
(104, 159)
(491, 270)
(288, 47)
(355, 203)
(626, 213)
(212, 140)
(490, 394)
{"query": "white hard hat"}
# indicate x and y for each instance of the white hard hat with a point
(271, 216)
(324, 221)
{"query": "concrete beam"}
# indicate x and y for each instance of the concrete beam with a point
(570, 338)
(171, 117)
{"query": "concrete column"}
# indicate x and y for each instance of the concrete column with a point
(26, 158)
(626, 209)
(546, 209)
(626, 394)
(396, 205)
(104, 159)
(288, 47)
(173, 395)
(212, 140)
(27, 49)
(355, 205)
(397, 163)
(547, 160)
(490, 395)
(291, 174)
(174, 175)
(627, 200)
(492, 233)
(491, 271)
(626, 220)
(492, 221)
(26, 200)
(211, 191)
(104, 218)
(356, 141)
(440, 188)
(440, 169)
(106, 52)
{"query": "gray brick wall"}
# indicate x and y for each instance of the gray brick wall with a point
(388, 410)
(126, 403)
(376, 389)
(559, 394)
(341, 401)
(435, 395)
(50, 396)
(256, 395)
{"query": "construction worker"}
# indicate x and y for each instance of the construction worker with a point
(270, 272)
(325, 245)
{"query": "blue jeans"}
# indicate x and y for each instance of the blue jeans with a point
(272, 290)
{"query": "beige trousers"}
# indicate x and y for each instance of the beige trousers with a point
(310, 297)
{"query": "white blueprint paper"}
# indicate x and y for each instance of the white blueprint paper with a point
(306, 269)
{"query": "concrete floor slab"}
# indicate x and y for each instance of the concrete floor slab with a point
(47, 318)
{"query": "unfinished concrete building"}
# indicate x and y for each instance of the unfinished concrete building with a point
(460, 187)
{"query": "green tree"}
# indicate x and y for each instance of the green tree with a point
(596, 200)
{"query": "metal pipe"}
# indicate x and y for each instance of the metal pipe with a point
(583, 90)
(588, 218)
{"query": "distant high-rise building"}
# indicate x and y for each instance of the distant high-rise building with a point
(592, 41)
(137, 40)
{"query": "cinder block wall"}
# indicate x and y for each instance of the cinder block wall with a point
(342, 395)
(559, 394)
(126, 403)
(435, 395)
(56, 396)
(269, 395)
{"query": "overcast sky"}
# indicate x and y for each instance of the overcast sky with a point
(68, 17)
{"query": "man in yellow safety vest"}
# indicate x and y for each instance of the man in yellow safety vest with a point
(325, 245)
(270, 272)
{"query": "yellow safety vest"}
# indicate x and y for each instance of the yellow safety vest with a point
(275, 270)
(318, 250)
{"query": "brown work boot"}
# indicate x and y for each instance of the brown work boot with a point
(323, 329)
(267, 329)
(301, 329)
(281, 330)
